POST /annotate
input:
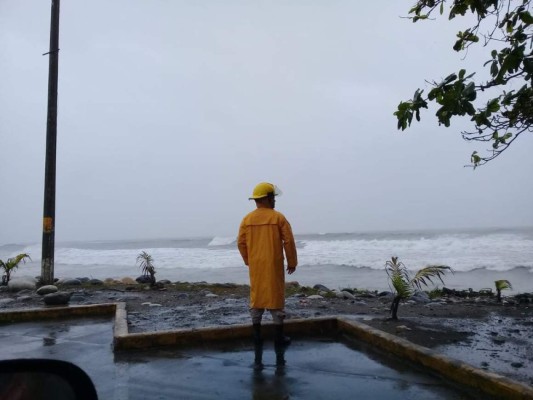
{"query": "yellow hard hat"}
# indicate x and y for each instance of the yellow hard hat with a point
(263, 189)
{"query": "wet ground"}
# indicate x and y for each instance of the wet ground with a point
(315, 369)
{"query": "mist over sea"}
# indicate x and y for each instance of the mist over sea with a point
(478, 257)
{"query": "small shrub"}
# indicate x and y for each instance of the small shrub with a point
(11, 265)
(146, 262)
(502, 284)
(403, 285)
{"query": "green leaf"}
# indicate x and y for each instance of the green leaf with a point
(526, 17)
(493, 106)
(494, 69)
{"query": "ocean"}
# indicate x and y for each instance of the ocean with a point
(338, 260)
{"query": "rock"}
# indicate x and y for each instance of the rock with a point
(524, 298)
(96, 282)
(347, 295)
(144, 279)
(70, 282)
(498, 340)
(24, 298)
(57, 299)
(386, 294)
(183, 296)
(3, 289)
(420, 297)
(211, 295)
(46, 290)
(517, 365)
(128, 281)
(151, 304)
(109, 281)
(165, 282)
(315, 296)
(298, 295)
(292, 284)
(338, 295)
(351, 291)
(18, 284)
(322, 288)
(83, 280)
(402, 328)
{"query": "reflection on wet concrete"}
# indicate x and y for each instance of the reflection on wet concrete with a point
(314, 369)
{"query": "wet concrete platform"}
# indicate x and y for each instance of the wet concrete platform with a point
(315, 369)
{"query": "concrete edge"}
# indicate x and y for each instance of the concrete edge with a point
(54, 312)
(203, 336)
(455, 370)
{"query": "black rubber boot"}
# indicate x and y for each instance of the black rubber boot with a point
(258, 347)
(280, 354)
(279, 337)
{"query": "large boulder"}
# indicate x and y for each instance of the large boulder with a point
(420, 297)
(47, 289)
(321, 288)
(144, 279)
(57, 299)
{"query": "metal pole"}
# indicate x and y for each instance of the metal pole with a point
(47, 259)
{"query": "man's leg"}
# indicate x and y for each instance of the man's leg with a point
(257, 315)
(280, 340)
(278, 315)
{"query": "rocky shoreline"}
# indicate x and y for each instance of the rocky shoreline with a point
(469, 325)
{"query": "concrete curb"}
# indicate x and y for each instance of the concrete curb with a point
(56, 312)
(457, 371)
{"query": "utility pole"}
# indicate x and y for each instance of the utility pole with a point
(49, 209)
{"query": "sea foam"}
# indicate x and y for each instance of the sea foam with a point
(461, 251)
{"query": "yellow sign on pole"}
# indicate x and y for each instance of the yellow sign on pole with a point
(48, 225)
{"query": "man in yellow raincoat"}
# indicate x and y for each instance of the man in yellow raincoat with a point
(264, 235)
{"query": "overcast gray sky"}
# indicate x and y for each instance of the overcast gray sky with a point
(171, 111)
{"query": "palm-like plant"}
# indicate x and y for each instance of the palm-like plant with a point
(146, 262)
(502, 284)
(404, 286)
(10, 265)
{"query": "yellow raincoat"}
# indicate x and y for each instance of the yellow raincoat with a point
(263, 235)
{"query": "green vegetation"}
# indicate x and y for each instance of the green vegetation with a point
(502, 284)
(146, 262)
(10, 265)
(435, 293)
(505, 110)
(404, 286)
